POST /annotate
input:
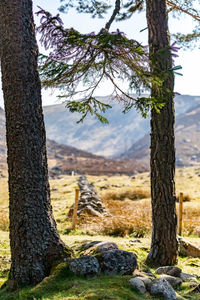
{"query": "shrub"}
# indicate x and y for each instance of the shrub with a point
(127, 218)
(130, 194)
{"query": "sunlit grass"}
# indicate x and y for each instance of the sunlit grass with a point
(128, 202)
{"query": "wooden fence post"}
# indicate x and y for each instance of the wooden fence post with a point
(74, 218)
(180, 214)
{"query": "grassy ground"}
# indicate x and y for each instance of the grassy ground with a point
(128, 200)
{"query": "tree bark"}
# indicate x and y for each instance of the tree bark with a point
(34, 240)
(164, 244)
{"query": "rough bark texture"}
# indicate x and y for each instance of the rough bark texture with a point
(35, 243)
(164, 241)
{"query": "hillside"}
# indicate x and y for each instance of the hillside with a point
(127, 134)
(187, 134)
(63, 159)
(101, 139)
(109, 140)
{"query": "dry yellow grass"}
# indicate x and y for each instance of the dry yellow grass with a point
(129, 216)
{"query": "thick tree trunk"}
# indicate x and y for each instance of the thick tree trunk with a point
(35, 243)
(164, 241)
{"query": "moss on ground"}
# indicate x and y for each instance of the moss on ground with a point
(60, 285)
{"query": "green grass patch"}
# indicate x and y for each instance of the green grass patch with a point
(60, 285)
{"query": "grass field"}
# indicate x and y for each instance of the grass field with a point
(128, 200)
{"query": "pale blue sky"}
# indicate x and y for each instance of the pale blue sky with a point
(189, 60)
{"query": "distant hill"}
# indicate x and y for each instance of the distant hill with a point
(109, 140)
(187, 139)
(127, 137)
(63, 159)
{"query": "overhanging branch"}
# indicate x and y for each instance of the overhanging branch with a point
(115, 12)
(175, 6)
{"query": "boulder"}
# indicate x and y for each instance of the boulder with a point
(87, 266)
(188, 249)
(99, 248)
(88, 245)
(160, 287)
(146, 280)
(188, 277)
(169, 270)
(138, 284)
(106, 246)
(120, 262)
(174, 281)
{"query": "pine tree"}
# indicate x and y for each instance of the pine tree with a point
(164, 244)
(34, 240)
(111, 54)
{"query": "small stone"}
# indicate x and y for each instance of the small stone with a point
(188, 277)
(149, 273)
(138, 284)
(169, 270)
(106, 246)
(90, 244)
(174, 281)
(147, 282)
(87, 266)
(163, 288)
(99, 248)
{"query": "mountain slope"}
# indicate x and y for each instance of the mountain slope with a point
(187, 140)
(109, 140)
(63, 159)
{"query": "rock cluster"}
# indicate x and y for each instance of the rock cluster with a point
(163, 285)
(89, 201)
(103, 257)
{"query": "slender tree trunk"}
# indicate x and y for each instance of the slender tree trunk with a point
(164, 241)
(34, 240)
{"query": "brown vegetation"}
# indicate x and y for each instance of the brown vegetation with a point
(126, 194)
(129, 217)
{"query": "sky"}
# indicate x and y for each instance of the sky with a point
(189, 60)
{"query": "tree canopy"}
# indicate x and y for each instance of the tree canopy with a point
(77, 63)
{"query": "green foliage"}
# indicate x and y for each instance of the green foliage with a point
(188, 7)
(93, 7)
(100, 8)
(91, 106)
(78, 63)
(188, 40)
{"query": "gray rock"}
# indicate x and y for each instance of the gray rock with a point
(149, 273)
(188, 277)
(138, 284)
(163, 288)
(147, 281)
(98, 248)
(106, 246)
(87, 266)
(90, 244)
(188, 249)
(118, 262)
(89, 201)
(174, 281)
(169, 270)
